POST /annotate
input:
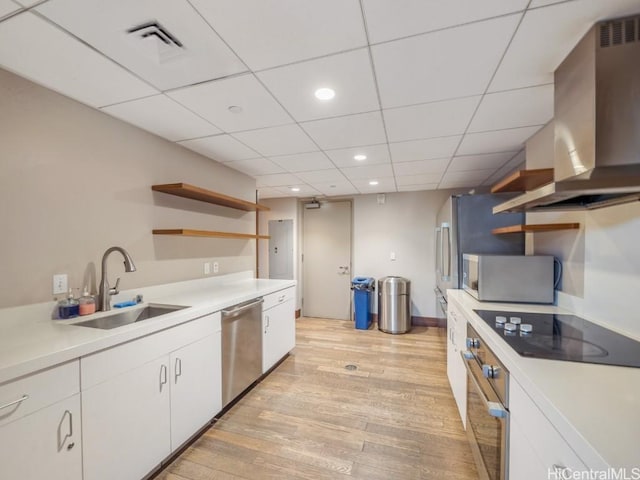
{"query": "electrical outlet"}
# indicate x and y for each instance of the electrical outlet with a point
(215, 267)
(60, 283)
(207, 268)
(392, 256)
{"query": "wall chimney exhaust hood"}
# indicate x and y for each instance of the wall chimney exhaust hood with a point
(597, 124)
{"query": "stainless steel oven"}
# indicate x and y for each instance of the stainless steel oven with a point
(487, 408)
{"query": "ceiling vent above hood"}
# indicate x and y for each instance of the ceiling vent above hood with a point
(597, 124)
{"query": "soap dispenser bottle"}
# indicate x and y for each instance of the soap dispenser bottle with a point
(87, 304)
(68, 308)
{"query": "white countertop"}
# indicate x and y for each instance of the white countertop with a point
(596, 408)
(31, 341)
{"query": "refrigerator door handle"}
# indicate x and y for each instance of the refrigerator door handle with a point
(438, 242)
(445, 244)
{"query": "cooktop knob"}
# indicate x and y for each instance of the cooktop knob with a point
(473, 342)
(510, 328)
(526, 328)
(515, 320)
(490, 371)
(500, 321)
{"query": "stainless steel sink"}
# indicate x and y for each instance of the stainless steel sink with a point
(133, 315)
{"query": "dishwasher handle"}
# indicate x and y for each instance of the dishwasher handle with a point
(236, 310)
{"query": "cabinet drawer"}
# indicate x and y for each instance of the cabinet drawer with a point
(277, 298)
(101, 366)
(547, 443)
(38, 390)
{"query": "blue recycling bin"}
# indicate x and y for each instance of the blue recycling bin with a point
(363, 300)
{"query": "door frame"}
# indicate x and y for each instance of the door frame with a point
(301, 204)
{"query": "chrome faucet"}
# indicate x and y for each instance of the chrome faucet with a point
(105, 292)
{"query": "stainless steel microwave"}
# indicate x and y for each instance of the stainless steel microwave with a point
(509, 278)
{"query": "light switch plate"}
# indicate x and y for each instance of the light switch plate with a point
(215, 267)
(207, 268)
(60, 283)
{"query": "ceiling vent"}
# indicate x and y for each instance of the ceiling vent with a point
(159, 42)
(618, 32)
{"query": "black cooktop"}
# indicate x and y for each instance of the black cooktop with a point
(563, 337)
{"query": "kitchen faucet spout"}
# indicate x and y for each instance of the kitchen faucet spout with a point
(105, 292)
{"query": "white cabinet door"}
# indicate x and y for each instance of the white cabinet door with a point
(196, 387)
(524, 464)
(44, 444)
(125, 423)
(278, 333)
(456, 371)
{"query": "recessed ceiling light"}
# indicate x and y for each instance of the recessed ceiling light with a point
(235, 109)
(360, 157)
(332, 186)
(373, 182)
(325, 93)
(295, 189)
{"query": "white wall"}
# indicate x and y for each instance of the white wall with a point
(601, 264)
(75, 181)
(404, 224)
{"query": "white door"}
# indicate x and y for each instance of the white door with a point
(327, 261)
(196, 387)
(281, 249)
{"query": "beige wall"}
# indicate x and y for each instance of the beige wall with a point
(74, 181)
(404, 224)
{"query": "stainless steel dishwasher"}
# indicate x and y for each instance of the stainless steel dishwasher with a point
(241, 348)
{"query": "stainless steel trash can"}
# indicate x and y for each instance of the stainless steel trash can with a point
(394, 305)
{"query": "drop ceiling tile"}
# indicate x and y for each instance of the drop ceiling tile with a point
(269, 33)
(376, 154)
(470, 178)
(274, 141)
(480, 162)
(368, 172)
(411, 17)
(204, 56)
(497, 141)
(332, 189)
(268, 192)
(162, 116)
(349, 131)
(255, 166)
(516, 163)
(425, 178)
(321, 176)
(421, 167)
(438, 119)
(349, 74)
(277, 180)
(417, 188)
(304, 162)
(385, 185)
(27, 3)
(304, 190)
(453, 63)
(514, 108)
(542, 3)
(223, 148)
(7, 7)
(547, 35)
(212, 100)
(424, 149)
(41, 52)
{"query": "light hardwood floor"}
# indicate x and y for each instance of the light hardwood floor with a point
(392, 418)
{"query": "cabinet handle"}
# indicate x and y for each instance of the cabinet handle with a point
(163, 375)
(281, 298)
(69, 434)
(15, 402)
(177, 369)
(561, 469)
(266, 324)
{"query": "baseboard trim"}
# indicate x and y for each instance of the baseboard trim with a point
(421, 321)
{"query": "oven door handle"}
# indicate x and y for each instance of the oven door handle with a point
(495, 409)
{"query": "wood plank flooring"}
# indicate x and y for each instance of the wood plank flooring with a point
(392, 418)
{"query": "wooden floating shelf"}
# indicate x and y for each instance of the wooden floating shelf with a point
(543, 227)
(524, 180)
(186, 232)
(203, 195)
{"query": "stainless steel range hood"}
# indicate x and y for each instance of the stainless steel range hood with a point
(597, 124)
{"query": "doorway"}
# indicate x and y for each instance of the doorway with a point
(326, 261)
(281, 249)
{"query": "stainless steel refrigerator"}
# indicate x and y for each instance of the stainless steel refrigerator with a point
(464, 225)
